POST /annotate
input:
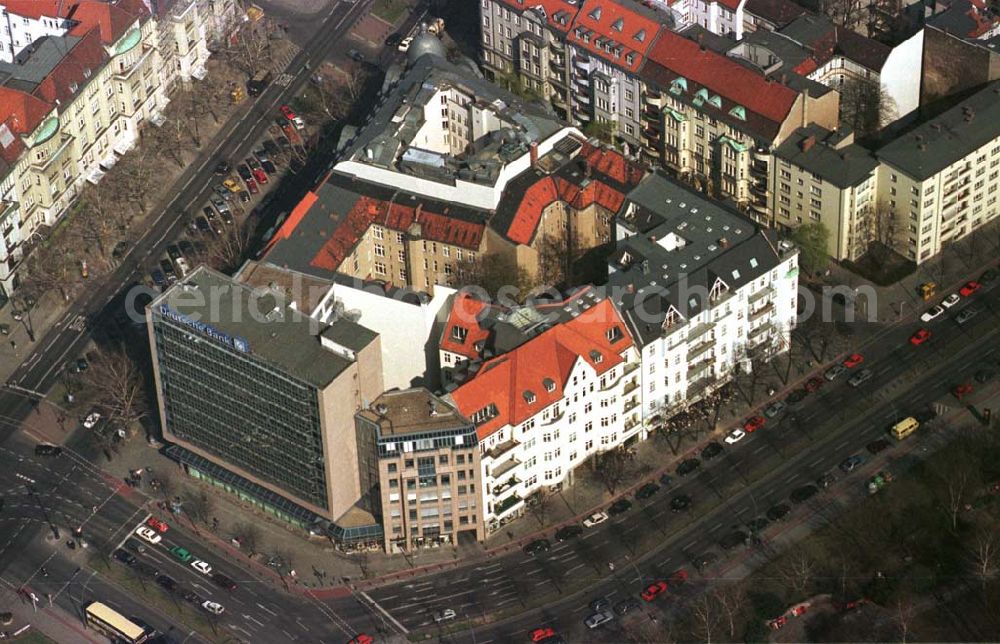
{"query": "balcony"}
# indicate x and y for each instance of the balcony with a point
(651, 113)
(651, 152)
(698, 331)
(652, 100)
(125, 71)
(505, 467)
(630, 386)
(761, 312)
(698, 351)
(630, 404)
(508, 504)
(761, 294)
(502, 449)
(631, 423)
(762, 157)
(557, 45)
(761, 332)
(506, 486)
(697, 388)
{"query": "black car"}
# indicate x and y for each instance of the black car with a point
(849, 464)
(393, 39)
(135, 546)
(878, 445)
(758, 524)
(620, 506)
(261, 154)
(680, 503)
(174, 252)
(568, 532)
(733, 539)
(271, 147)
(244, 172)
(356, 56)
(666, 479)
(537, 546)
(599, 604)
(227, 217)
(688, 466)
(158, 277)
(202, 224)
(983, 376)
(647, 490)
(120, 249)
(627, 606)
(268, 166)
(779, 512)
(187, 248)
(47, 450)
(804, 493)
(826, 480)
(190, 596)
(222, 168)
(711, 450)
(81, 365)
(124, 556)
(223, 581)
(988, 276)
(168, 270)
(167, 582)
(796, 396)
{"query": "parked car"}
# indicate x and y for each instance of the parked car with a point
(626, 606)
(224, 582)
(711, 450)
(932, 313)
(159, 279)
(181, 554)
(157, 525)
(269, 166)
(919, 337)
(537, 546)
(735, 436)
(774, 409)
(404, 44)
(834, 372)
(542, 634)
(851, 463)
(91, 420)
(444, 615)
(647, 490)
(596, 518)
(222, 168)
(688, 466)
(124, 556)
(878, 445)
(752, 424)
(779, 512)
(47, 449)
(653, 590)
(174, 252)
(287, 111)
(393, 39)
(213, 607)
(620, 506)
(951, 300)
(599, 619)
(969, 288)
(260, 175)
(568, 532)
(853, 360)
(167, 582)
(680, 503)
(966, 315)
(244, 172)
(860, 377)
(252, 186)
(201, 566)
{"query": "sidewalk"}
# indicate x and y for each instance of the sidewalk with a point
(52, 623)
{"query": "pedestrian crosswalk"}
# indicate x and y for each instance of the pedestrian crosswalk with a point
(78, 323)
(283, 80)
(281, 61)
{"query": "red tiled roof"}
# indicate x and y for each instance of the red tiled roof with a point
(465, 310)
(36, 8)
(806, 67)
(113, 20)
(22, 114)
(612, 164)
(293, 220)
(536, 199)
(616, 23)
(732, 5)
(550, 8)
(552, 355)
(85, 58)
(368, 210)
(723, 76)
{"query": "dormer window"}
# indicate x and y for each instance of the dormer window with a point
(614, 334)
(549, 384)
(459, 333)
(618, 25)
(596, 356)
(672, 318)
(630, 58)
(640, 35)
(529, 396)
(595, 14)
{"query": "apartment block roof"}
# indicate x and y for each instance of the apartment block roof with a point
(112, 18)
(935, 144)
(558, 13)
(326, 226)
(513, 387)
(22, 113)
(593, 175)
(732, 92)
(965, 18)
(776, 12)
(824, 154)
(683, 245)
(261, 322)
(413, 411)
(462, 333)
(617, 32)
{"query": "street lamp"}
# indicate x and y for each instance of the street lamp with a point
(29, 485)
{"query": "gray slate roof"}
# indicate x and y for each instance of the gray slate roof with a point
(933, 145)
(287, 340)
(846, 167)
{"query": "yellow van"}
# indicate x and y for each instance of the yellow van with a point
(905, 427)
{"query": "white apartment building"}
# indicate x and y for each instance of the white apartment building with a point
(22, 22)
(941, 180)
(701, 289)
(547, 406)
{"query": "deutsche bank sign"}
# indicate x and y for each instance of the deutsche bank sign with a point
(236, 342)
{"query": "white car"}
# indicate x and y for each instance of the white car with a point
(735, 436)
(444, 615)
(598, 619)
(931, 313)
(596, 518)
(92, 419)
(950, 301)
(148, 534)
(201, 566)
(213, 607)
(405, 43)
(299, 123)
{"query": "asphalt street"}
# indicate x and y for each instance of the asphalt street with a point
(651, 542)
(73, 493)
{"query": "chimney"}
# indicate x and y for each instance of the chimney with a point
(807, 143)
(784, 78)
(419, 210)
(701, 41)
(533, 151)
(586, 169)
(723, 242)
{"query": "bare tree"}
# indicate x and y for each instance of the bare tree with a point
(732, 600)
(228, 251)
(116, 378)
(134, 176)
(984, 556)
(200, 505)
(706, 617)
(798, 571)
(249, 537)
(903, 616)
(539, 504)
(864, 104)
(611, 467)
(881, 230)
(99, 220)
(249, 48)
(49, 267)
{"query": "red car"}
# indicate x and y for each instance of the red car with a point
(920, 336)
(969, 288)
(362, 638)
(853, 360)
(540, 634)
(157, 525)
(753, 423)
(961, 390)
(813, 384)
(287, 112)
(260, 176)
(252, 186)
(654, 589)
(679, 577)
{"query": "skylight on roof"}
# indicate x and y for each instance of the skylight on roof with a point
(753, 262)
(736, 274)
(618, 25)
